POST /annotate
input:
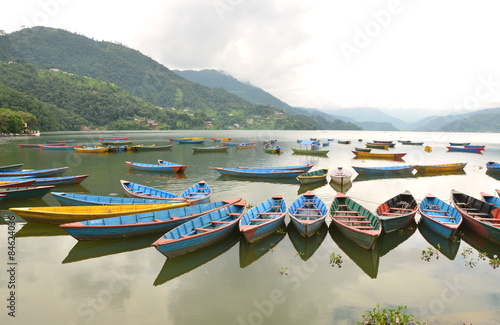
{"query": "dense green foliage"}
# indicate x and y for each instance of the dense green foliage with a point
(113, 72)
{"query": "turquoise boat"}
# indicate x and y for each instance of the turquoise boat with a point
(308, 213)
(196, 194)
(33, 172)
(490, 199)
(439, 216)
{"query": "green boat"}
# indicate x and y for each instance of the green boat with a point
(24, 193)
(315, 152)
(313, 177)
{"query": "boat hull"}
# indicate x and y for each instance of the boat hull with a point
(439, 216)
(441, 168)
(308, 213)
(263, 219)
(397, 212)
(374, 155)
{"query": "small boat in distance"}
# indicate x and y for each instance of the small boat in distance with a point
(313, 176)
(440, 168)
(406, 169)
(210, 149)
(459, 143)
(464, 149)
(375, 155)
(164, 168)
(304, 168)
(493, 167)
(261, 173)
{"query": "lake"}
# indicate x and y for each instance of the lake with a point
(282, 279)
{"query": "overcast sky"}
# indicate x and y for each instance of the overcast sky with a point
(440, 55)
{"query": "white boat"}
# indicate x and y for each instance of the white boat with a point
(340, 175)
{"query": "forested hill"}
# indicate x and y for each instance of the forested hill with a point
(49, 48)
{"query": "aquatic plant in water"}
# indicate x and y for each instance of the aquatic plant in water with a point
(387, 316)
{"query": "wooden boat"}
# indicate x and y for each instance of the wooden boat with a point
(440, 168)
(31, 145)
(196, 194)
(112, 139)
(249, 145)
(202, 231)
(411, 143)
(229, 144)
(354, 221)
(176, 167)
(191, 141)
(87, 199)
(262, 173)
(152, 147)
(363, 149)
(464, 149)
(33, 172)
(13, 166)
(308, 213)
(210, 149)
(405, 169)
(66, 214)
(344, 141)
(459, 143)
(483, 218)
(314, 152)
(263, 219)
(221, 139)
(17, 183)
(439, 216)
(493, 167)
(273, 150)
(96, 149)
(303, 168)
(60, 180)
(117, 143)
(474, 147)
(397, 212)
(383, 141)
(133, 225)
(166, 167)
(490, 199)
(373, 155)
(58, 147)
(313, 177)
(382, 146)
(340, 175)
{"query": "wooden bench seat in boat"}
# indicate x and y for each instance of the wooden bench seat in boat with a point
(401, 209)
(364, 227)
(350, 217)
(340, 211)
(432, 210)
(355, 221)
(261, 219)
(477, 214)
(307, 215)
(269, 213)
(444, 217)
(391, 214)
(234, 214)
(202, 229)
(487, 219)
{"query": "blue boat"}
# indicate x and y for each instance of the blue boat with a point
(406, 169)
(459, 143)
(464, 149)
(33, 172)
(196, 194)
(261, 173)
(142, 223)
(263, 219)
(86, 199)
(60, 180)
(202, 231)
(304, 168)
(493, 167)
(308, 213)
(164, 166)
(474, 147)
(490, 199)
(411, 143)
(439, 216)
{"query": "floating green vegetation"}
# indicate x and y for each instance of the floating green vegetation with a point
(471, 261)
(386, 316)
(283, 270)
(336, 260)
(428, 253)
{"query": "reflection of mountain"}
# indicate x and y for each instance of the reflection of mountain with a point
(481, 244)
(249, 253)
(283, 180)
(448, 247)
(96, 248)
(185, 263)
(493, 175)
(33, 229)
(341, 188)
(306, 246)
(366, 259)
(391, 240)
(309, 187)
(363, 177)
(433, 174)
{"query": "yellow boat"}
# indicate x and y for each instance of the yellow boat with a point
(66, 214)
(97, 149)
(440, 168)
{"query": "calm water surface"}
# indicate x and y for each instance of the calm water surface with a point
(282, 279)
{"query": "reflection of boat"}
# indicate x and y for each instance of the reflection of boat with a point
(309, 187)
(97, 248)
(439, 216)
(397, 212)
(363, 177)
(306, 246)
(283, 180)
(366, 259)
(440, 168)
(388, 241)
(434, 174)
(482, 245)
(250, 252)
(341, 188)
(179, 175)
(33, 229)
(174, 267)
(495, 175)
(448, 247)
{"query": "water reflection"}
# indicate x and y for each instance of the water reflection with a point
(309, 187)
(33, 229)
(185, 263)
(342, 188)
(391, 240)
(306, 246)
(481, 244)
(448, 247)
(84, 250)
(433, 174)
(180, 175)
(493, 175)
(250, 252)
(366, 259)
(366, 177)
